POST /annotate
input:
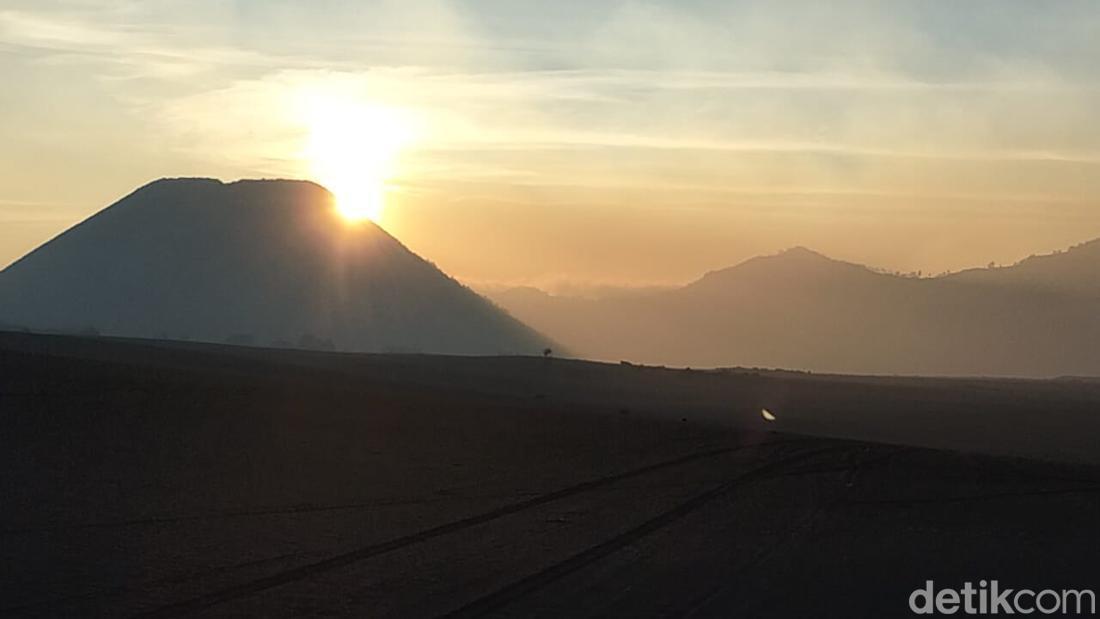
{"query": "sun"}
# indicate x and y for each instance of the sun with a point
(352, 148)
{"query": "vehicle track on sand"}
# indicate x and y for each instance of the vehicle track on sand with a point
(518, 589)
(302, 572)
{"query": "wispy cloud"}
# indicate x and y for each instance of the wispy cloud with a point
(648, 104)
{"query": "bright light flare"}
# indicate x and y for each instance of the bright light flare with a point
(352, 149)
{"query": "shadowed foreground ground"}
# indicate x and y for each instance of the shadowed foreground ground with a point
(176, 480)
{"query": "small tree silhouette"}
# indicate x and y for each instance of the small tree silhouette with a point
(546, 352)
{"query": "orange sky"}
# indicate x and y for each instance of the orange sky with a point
(622, 142)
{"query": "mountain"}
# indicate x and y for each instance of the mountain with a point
(1075, 271)
(251, 262)
(802, 310)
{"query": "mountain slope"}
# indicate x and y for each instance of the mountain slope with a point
(802, 310)
(257, 262)
(1075, 271)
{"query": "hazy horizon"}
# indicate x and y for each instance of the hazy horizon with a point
(516, 308)
(625, 143)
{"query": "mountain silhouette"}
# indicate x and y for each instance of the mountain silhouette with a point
(1075, 271)
(263, 262)
(802, 310)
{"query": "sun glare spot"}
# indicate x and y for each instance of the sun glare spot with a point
(352, 148)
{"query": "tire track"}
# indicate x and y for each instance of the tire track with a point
(341, 560)
(527, 585)
(762, 555)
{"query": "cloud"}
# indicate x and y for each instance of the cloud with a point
(32, 30)
(705, 96)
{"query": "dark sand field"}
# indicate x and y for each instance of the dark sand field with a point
(157, 479)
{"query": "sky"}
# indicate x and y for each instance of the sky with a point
(578, 142)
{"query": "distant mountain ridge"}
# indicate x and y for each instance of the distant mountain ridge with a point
(1075, 271)
(264, 262)
(802, 310)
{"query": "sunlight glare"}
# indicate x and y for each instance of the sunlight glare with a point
(352, 149)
